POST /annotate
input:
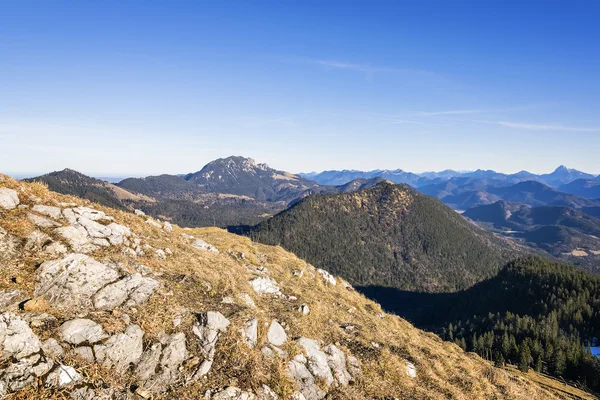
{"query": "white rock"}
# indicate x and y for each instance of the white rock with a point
(85, 352)
(77, 331)
(90, 213)
(317, 360)
(9, 198)
(73, 280)
(247, 300)
(63, 375)
(153, 223)
(52, 348)
(16, 338)
(233, 393)
(42, 222)
(337, 362)
(121, 350)
(250, 332)
(133, 290)
(49, 211)
(411, 370)
(305, 380)
(276, 334)
(139, 212)
(265, 285)
(266, 393)
(327, 276)
(304, 309)
(76, 238)
(202, 245)
(93, 228)
(10, 299)
(167, 227)
(161, 254)
(208, 329)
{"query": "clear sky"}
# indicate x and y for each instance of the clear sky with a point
(145, 87)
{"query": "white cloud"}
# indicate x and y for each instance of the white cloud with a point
(544, 127)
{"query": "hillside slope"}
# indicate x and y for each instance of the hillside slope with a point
(534, 305)
(172, 307)
(388, 235)
(243, 311)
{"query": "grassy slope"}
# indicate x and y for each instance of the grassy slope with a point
(444, 370)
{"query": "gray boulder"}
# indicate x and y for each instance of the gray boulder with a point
(42, 222)
(318, 363)
(10, 299)
(72, 280)
(76, 238)
(298, 371)
(336, 360)
(62, 376)
(202, 245)
(265, 286)
(17, 340)
(208, 328)
(250, 332)
(159, 365)
(9, 199)
(276, 334)
(49, 211)
(77, 331)
(233, 393)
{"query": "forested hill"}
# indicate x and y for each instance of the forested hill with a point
(388, 235)
(535, 312)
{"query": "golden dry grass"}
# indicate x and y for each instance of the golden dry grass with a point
(195, 281)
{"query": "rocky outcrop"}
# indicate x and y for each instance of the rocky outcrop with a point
(265, 286)
(77, 331)
(202, 245)
(72, 280)
(159, 365)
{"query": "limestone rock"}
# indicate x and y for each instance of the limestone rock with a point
(202, 245)
(10, 299)
(159, 367)
(167, 227)
(42, 222)
(304, 379)
(86, 353)
(208, 328)
(37, 240)
(266, 393)
(250, 332)
(52, 348)
(411, 370)
(153, 223)
(233, 393)
(63, 375)
(247, 300)
(76, 238)
(304, 309)
(122, 349)
(336, 360)
(139, 212)
(276, 334)
(265, 285)
(130, 291)
(9, 199)
(318, 363)
(327, 277)
(72, 280)
(77, 331)
(49, 211)
(16, 338)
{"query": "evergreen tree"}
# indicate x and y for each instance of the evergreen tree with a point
(524, 357)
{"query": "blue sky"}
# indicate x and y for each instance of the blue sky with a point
(146, 87)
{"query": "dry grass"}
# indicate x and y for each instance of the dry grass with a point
(195, 281)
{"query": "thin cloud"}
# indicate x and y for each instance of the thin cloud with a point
(368, 69)
(543, 127)
(450, 112)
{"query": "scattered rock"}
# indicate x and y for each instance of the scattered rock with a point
(77, 331)
(16, 338)
(167, 227)
(327, 277)
(208, 328)
(266, 393)
(411, 370)
(336, 360)
(202, 245)
(228, 300)
(9, 199)
(250, 332)
(159, 367)
(153, 223)
(85, 353)
(304, 309)
(304, 379)
(139, 212)
(52, 348)
(265, 285)
(318, 362)
(276, 334)
(247, 300)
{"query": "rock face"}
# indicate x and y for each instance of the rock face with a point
(73, 280)
(121, 350)
(208, 328)
(304, 379)
(9, 199)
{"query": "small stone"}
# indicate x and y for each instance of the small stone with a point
(276, 334)
(265, 286)
(304, 309)
(227, 300)
(167, 227)
(52, 348)
(247, 300)
(411, 370)
(202, 245)
(63, 375)
(77, 331)
(327, 277)
(139, 212)
(250, 332)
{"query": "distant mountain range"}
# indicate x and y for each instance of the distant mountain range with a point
(562, 231)
(561, 176)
